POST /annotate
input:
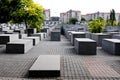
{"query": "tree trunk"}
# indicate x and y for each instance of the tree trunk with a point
(26, 24)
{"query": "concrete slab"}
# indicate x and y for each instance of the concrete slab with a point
(46, 66)
(112, 46)
(85, 46)
(19, 46)
(34, 39)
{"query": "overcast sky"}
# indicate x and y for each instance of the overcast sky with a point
(85, 6)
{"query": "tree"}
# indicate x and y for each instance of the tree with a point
(96, 26)
(6, 8)
(19, 11)
(83, 19)
(31, 14)
(112, 16)
(73, 20)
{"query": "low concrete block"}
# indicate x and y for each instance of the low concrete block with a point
(45, 30)
(111, 46)
(68, 35)
(55, 35)
(46, 66)
(98, 37)
(19, 31)
(19, 46)
(31, 31)
(113, 33)
(34, 39)
(9, 32)
(40, 35)
(21, 36)
(4, 38)
(117, 36)
(85, 46)
(76, 35)
(88, 35)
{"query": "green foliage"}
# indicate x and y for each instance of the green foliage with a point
(83, 19)
(19, 11)
(96, 26)
(118, 23)
(91, 20)
(5, 10)
(114, 23)
(73, 21)
(31, 14)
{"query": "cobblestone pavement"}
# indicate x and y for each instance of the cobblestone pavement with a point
(102, 66)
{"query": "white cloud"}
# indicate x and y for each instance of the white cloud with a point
(85, 6)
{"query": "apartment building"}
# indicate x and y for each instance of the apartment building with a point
(65, 17)
(46, 13)
(103, 15)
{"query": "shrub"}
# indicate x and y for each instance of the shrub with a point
(96, 26)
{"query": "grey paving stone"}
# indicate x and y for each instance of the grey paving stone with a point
(73, 66)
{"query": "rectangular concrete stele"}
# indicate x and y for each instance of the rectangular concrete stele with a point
(44, 34)
(40, 35)
(19, 31)
(98, 37)
(112, 46)
(55, 36)
(31, 31)
(85, 46)
(19, 46)
(4, 38)
(21, 36)
(117, 36)
(88, 35)
(46, 66)
(68, 35)
(34, 39)
(112, 34)
(44, 30)
(9, 32)
(76, 35)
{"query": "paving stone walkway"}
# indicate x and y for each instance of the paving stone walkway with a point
(102, 66)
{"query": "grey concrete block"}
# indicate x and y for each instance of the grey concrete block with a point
(68, 35)
(31, 31)
(34, 39)
(4, 38)
(46, 66)
(76, 35)
(111, 46)
(117, 36)
(19, 31)
(40, 35)
(112, 34)
(21, 36)
(55, 35)
(88, 35)
(85, 46)
(45, 30)
(19, 46)
(9, 32)
(98, 37)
